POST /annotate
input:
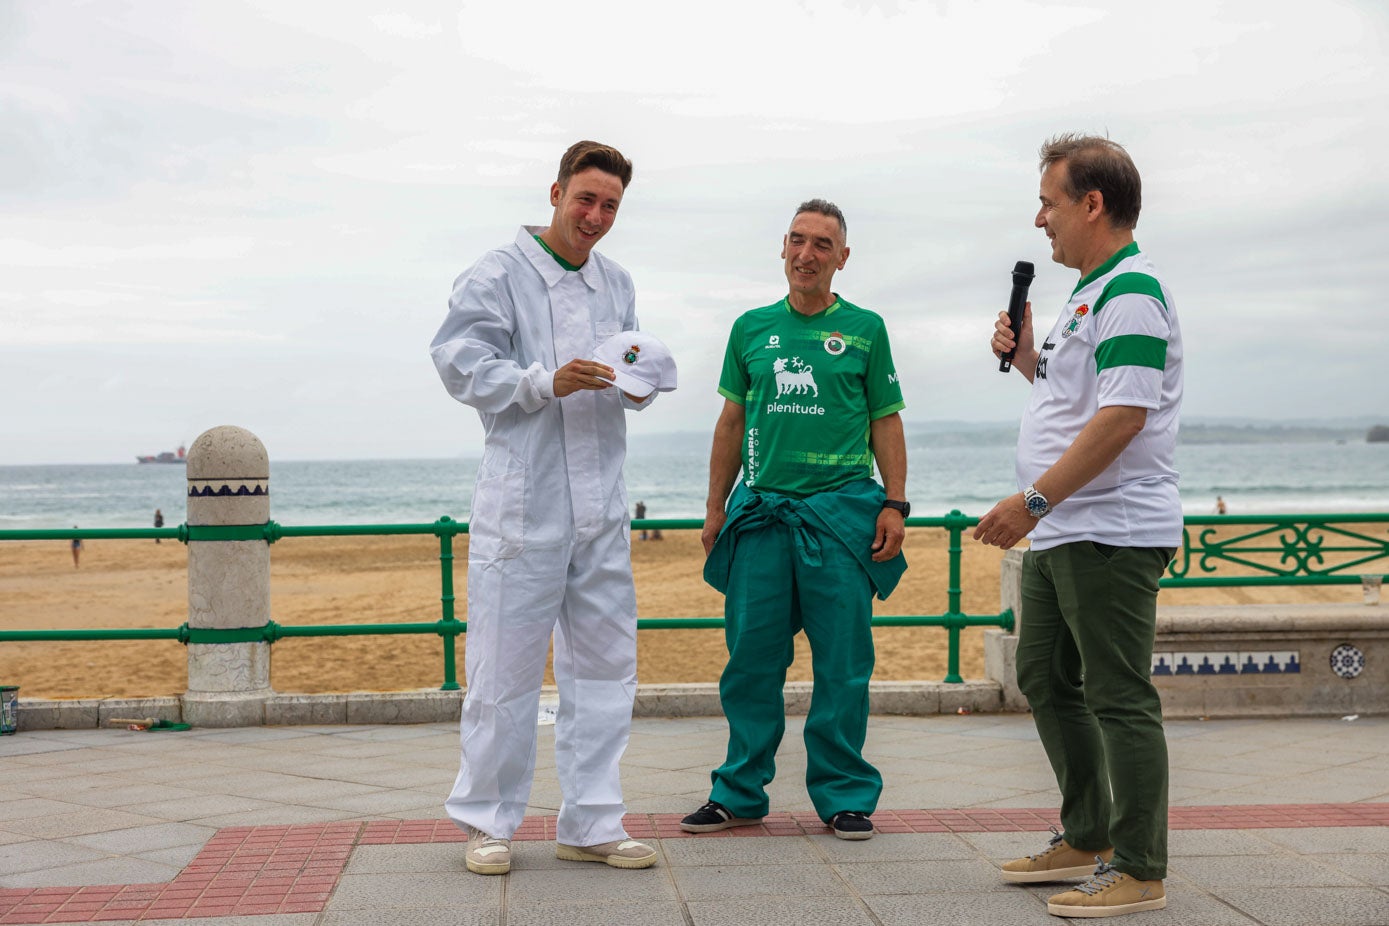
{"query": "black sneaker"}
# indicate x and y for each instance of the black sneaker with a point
(712, 817)
(850, 824)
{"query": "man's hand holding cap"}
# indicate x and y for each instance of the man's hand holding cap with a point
(641, 363)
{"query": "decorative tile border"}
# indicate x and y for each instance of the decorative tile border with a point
(1229, 663)
(257, 870)
(235, 487)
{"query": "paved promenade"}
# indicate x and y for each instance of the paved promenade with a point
(1277, 822)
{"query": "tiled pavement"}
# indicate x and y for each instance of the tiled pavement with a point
(1280, 822)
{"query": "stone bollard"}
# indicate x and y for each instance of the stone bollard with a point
(1000, 648)
(228, 580)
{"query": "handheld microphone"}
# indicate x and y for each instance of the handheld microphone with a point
(1017, 302)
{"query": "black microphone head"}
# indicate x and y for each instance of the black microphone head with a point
(1023, 272)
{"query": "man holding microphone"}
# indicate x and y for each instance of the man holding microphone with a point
(1099, 500)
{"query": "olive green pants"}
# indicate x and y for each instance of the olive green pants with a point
(772, 594)
(1085, 664)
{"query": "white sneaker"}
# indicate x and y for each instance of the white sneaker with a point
(487, 855)
(625, 853)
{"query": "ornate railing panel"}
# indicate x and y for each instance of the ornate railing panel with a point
(1314, 549)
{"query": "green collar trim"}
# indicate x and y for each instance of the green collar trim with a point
(833, 306)
(1127, 250)
(551, 251)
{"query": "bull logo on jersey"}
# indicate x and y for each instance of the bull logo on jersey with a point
(794, 378)
(835, 345)
(1074, 323)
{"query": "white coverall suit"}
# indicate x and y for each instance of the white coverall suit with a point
(549, 547)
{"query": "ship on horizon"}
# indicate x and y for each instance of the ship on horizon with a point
(166, 456)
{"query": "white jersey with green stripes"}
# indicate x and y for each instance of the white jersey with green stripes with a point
(1117, 342)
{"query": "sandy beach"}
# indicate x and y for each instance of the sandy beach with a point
(369, 580)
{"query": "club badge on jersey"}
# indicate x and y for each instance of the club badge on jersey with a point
(1074, 323)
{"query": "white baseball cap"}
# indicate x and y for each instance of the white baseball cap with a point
(640, 362)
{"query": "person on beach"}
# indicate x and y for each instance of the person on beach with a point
(655, 533)
(549, 537)
(158, 521)
(1219, 505)
(807, 537)
(1099, 499)
(76, 549)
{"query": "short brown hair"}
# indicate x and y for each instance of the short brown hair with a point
(585, 154)
(1096, 163)
(824, 207)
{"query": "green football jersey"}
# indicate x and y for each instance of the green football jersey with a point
(810, 384)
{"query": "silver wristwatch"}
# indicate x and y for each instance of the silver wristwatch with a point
(1036, 502)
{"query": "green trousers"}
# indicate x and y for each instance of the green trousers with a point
(772, 594)
(1085, 664)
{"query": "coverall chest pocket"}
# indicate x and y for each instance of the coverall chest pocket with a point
(497, 526)
(601, 332)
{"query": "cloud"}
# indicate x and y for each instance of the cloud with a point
(266, 203)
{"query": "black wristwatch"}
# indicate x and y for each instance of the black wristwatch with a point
(904, 507)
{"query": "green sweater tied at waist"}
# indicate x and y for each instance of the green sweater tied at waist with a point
(848, 516)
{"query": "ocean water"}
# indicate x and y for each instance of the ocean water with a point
(965, 470)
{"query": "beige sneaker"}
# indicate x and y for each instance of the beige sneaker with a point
(487, 855)
(1108, 893)
(1055, 863)
(625, 853)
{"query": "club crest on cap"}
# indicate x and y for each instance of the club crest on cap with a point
(630, 356)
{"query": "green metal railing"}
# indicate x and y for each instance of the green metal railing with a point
(448, 627)
(1267, 550)
(1313, 549)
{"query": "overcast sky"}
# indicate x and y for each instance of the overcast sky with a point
(252, 213)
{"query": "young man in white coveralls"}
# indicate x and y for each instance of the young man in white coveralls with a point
(549, 547)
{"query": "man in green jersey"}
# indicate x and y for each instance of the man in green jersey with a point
(807, 537)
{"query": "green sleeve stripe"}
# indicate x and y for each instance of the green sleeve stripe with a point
(1130, 283)
(1131, 350)
(884, 412)
(732, 397)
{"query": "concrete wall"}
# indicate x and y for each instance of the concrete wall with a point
(1238, 661)
(434, 706)
(1252, 660)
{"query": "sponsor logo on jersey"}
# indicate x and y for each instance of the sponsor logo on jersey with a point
(892, 377)
(773, 342)
(1047, 348)
(835, 345)
(1074, 323)
(753, 458)
(795, 408)
(793, 377)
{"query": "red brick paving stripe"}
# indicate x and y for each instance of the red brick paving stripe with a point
(246, 870)
(240, 871)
